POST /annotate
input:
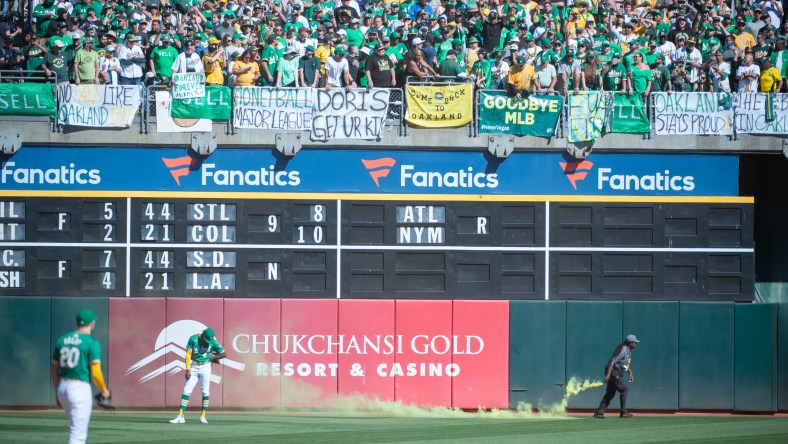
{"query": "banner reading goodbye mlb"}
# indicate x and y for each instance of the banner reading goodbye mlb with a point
(535, 116)
(446, 106)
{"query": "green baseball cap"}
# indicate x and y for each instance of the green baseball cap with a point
(339, 50)
(85, 317)
(208, 333)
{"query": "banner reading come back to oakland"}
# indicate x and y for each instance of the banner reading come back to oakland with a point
(535, 116)
(444, 106)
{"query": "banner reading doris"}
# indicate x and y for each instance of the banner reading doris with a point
(446, 106)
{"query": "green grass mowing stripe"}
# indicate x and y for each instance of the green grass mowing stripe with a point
(30, 427)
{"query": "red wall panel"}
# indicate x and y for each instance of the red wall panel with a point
(309, 372)
(185, 317)
(423, 380)
(374, 320)
(136, 361)
(481, 332)
(251, 327)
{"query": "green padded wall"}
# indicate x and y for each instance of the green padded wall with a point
(537, 361)
(655, 362)
(706, 355)
(782, 357)
(755, 358)
(64, 312)
(25, 364)
(593, 329)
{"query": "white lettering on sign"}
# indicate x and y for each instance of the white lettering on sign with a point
(481, 225)
(12, 210)
(62, 268)
(210, 259)
(13, 258)
(212, 234)
(421, 214)
(62, 221)
(11, 279)
(211, 212)
(421, 235)
(210, 281)
(11, 231)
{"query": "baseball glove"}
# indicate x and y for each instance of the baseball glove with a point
(104, 403)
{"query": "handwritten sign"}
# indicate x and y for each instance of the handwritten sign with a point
(188, 85)
(257, 107)
(98, 106)
(355, 114)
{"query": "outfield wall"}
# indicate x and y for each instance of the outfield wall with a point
(707, 356)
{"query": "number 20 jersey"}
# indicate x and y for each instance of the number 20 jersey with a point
(75, 351)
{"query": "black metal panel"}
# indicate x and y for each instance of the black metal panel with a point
(87, 260)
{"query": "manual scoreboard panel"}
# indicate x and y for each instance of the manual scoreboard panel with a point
(460, 248)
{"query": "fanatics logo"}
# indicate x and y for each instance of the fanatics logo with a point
(179, 167)
(172, 340)
(576, 171)
(379, 168)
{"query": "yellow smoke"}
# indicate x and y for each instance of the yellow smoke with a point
(353, 405)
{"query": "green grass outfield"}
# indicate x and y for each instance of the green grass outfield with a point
(236, 428)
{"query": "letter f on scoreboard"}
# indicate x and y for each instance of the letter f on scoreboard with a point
(378, 168)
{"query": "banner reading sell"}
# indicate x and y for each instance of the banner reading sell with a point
(535, 116)
(693, 113)
(98, 106)
(751, 116)
(216, 104)
(587, 115)
(188, 85)
(355, 114)
(445, 106)
(288, 109)
(629, 114)
(167, 124)
(27, 99)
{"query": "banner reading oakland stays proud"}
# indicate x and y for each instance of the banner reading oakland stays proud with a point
(27, 99)
(535, 116)
(445, 106)
(693, 113)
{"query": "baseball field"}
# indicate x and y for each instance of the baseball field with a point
(236, 428)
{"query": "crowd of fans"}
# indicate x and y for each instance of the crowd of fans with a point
(523, 46)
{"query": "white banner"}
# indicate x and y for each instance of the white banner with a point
(693, 113)
(751, 113)
(188, 85)
(355, 114)
(258, 107)
(98, 106)
(166, 124)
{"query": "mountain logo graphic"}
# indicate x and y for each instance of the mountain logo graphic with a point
(576, 171)
(172, 340)
(379, 167)
(179, 167)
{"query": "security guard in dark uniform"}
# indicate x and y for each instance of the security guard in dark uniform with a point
(614, 376)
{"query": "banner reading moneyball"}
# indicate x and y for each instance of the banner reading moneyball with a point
(535, 116)
(27, 99)
(98, 106)
(188, 85)
(693, 113)
(444, 106)
(216, 104)
(259, 107)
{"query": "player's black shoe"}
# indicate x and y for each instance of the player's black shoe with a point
(599, 416)
(626, 415)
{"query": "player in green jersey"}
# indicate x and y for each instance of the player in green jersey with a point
(201, 350)
(75, 360)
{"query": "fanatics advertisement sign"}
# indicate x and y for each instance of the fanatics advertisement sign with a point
(369, 171)
(307, 353)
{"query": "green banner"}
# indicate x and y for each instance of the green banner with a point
(587, 115)
(215, 105)
(27, 99)
(535, 116)
(629, 114)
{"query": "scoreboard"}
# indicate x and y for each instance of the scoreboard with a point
(392, 246)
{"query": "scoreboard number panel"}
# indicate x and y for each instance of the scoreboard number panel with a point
(379, 249)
